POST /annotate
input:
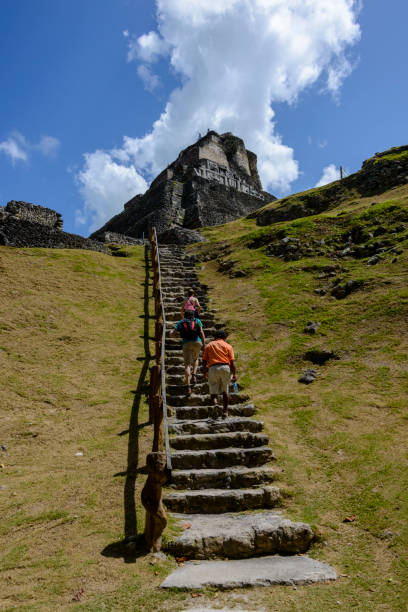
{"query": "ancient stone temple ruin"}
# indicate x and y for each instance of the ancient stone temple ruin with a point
(213, 181)
(223, 175)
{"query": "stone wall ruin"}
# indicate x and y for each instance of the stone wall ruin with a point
(29, 225)
(33, 213)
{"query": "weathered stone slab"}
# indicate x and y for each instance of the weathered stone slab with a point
(221, 458)
(202, 412)
(238, 536)
(261, 571)
(215, 501)
(210, 426)
(242, 439)
(235, 477)
(202, 400)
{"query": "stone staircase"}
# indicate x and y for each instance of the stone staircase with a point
(222, 479)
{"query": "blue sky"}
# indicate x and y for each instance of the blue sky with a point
(99, 95)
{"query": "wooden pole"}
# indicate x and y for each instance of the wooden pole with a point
(159, 340)
(155, 382)
(157, 305)
(156, 519)
(158, 435)
(155, 279)
(158, 354)
(156, 461)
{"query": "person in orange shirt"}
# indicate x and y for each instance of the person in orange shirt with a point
(218, 365)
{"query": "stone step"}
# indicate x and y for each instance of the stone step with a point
(203, 400)
(178, 379)
(262, 571)
(179, 290)
(168, 272)
(231, 439)
(174, 312)
(207, 331)
(180, 273)
(217, 501)
(200, 388)
(176, 278)
(236, 477)
(177, 262)
(220, 458)
(174, 354)
(210, 426)
(174, 360)
(237, 536)
(174, 297)
(175, 370)
(174, 300)
(204, 412)
(167, 263)
(187, 283)
(173, 306)
(179, 297)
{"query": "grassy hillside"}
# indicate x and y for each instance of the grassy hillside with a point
(74, 357)
(72, 360)
(379, 173)
(340, 442)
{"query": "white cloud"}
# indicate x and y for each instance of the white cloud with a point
(18, 148)
(105, 186)
(148, 47)
(330, 174)
(151, 81)
(13, 149)
(235, 59)
(48, 145)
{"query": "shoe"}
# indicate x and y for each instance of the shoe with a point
(194, 379)
(188, 390)
(224, 414)
(215, 412)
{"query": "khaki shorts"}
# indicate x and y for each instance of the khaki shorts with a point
(219, 377)
(191, 351)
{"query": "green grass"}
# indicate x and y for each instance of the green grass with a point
(72, 349)
(403, 156)
(340, 442)
(72, 339)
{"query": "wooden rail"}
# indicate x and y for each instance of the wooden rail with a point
(158, 462)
